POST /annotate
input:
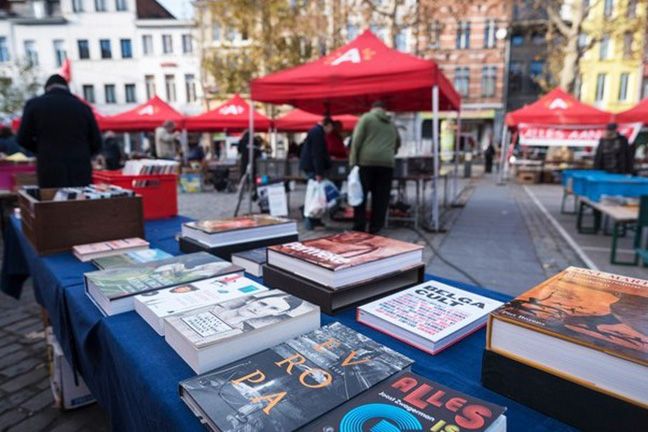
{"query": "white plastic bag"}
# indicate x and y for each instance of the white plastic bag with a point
(332, 193)
(315, 202)
(354, 193)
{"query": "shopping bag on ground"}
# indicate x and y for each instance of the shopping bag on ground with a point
(332, 193)
(315, 202)
(354, 186)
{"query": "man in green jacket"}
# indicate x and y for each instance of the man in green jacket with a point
(373, 147)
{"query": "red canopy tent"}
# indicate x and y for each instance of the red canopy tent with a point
(144, 117)
(558, 108)
(233, 115)
(636, 114)
(301, 121)
(354, 76)
(359, 73)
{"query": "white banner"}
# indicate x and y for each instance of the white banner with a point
(573, 136)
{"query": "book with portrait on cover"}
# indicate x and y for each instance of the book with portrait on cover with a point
(346, 258)
(155, 306)
(221, 232)
(291, 384)
(113, 289)
(409, 402)
(430, 316)
(583, 325)
(210, 337)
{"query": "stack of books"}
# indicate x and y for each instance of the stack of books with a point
(112, 290)
(92, 251)
(576, 348)
(223, 237)
(150, 166)
(431, 316)
(251, 260)
(344, 269)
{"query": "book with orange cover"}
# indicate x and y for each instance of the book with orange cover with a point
(587, 326)
(241, 229)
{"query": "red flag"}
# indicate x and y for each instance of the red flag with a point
(66, 70)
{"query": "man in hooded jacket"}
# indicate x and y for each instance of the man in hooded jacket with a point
(373, 148)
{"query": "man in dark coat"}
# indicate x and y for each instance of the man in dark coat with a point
(314, 158)
(62, 132)
(613, 153)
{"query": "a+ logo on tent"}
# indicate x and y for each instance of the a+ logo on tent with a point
(353, 56)
(231, 110)
(558, 103)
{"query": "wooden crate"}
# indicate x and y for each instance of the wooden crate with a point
(56, 226)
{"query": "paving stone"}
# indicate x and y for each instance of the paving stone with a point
(10, 418)
(21, 367)
(10, 318)
(9, 348)
(24, 380)
(38, 402)
(14, 357)
(36, 422)
(12, 400)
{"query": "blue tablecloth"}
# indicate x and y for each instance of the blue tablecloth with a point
(134, 374)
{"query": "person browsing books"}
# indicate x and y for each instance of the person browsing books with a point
(61, 130)
(373, 148)
(314, 158)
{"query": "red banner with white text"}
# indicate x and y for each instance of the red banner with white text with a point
(572, 136)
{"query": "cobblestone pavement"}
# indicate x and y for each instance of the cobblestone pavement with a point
(473, 233)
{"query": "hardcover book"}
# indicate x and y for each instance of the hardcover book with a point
(131, 258)
(112, 289)
(213, 336)
(345, 258)
(241, 229)
(90, 251)
(251, 260)
(154, 306)
(291, 384)
(587, 326)
(409, 402)
(430, 316)
(236, 223)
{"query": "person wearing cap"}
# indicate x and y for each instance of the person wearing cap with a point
(613, 153)
(62, 132)
(165, 141)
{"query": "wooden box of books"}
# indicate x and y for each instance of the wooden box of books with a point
(55, 226)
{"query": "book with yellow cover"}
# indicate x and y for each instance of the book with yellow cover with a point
(587, 326)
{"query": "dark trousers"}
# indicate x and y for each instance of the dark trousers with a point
(377, 181)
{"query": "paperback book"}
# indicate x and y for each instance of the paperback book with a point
(155, 306)
(252, 261)
(346, 258)
(130, 258)
(210, 337)
(113, 290)
(430, 316)
(90, 251)
(221, 232)
(291, 384)
(586, 326)
(409, 402)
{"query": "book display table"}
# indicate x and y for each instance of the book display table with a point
(134, 374)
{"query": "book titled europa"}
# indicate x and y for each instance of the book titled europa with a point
(430, 316)
(291, 384)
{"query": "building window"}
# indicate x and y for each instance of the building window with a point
(84, 49)
(187, 44)
(463, 35)
(149, 81)
(401, 40)
(628, 38)
(623, 87)
(583, 40)
(120, 5)
(190, 87)
(167, 44)
(489, 34)
(216, 32)
(517, 39)
(608, 8)
(537, 38)
(631, 10)
(109, 90)
(100, 5)
(536, 68)
(600, 87)
(578, 86)
(4, 50)
(31, 54)
(489, 79)
(147, 44)
(104, 47)
(88, 93)
(435, 34)
(77, 5)
(59, 52)
(126, 48)
(462, 81)
(170, 88)
(351, 31)
(604, 47)
(515, 77)
(378, 31)
(129, 91)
